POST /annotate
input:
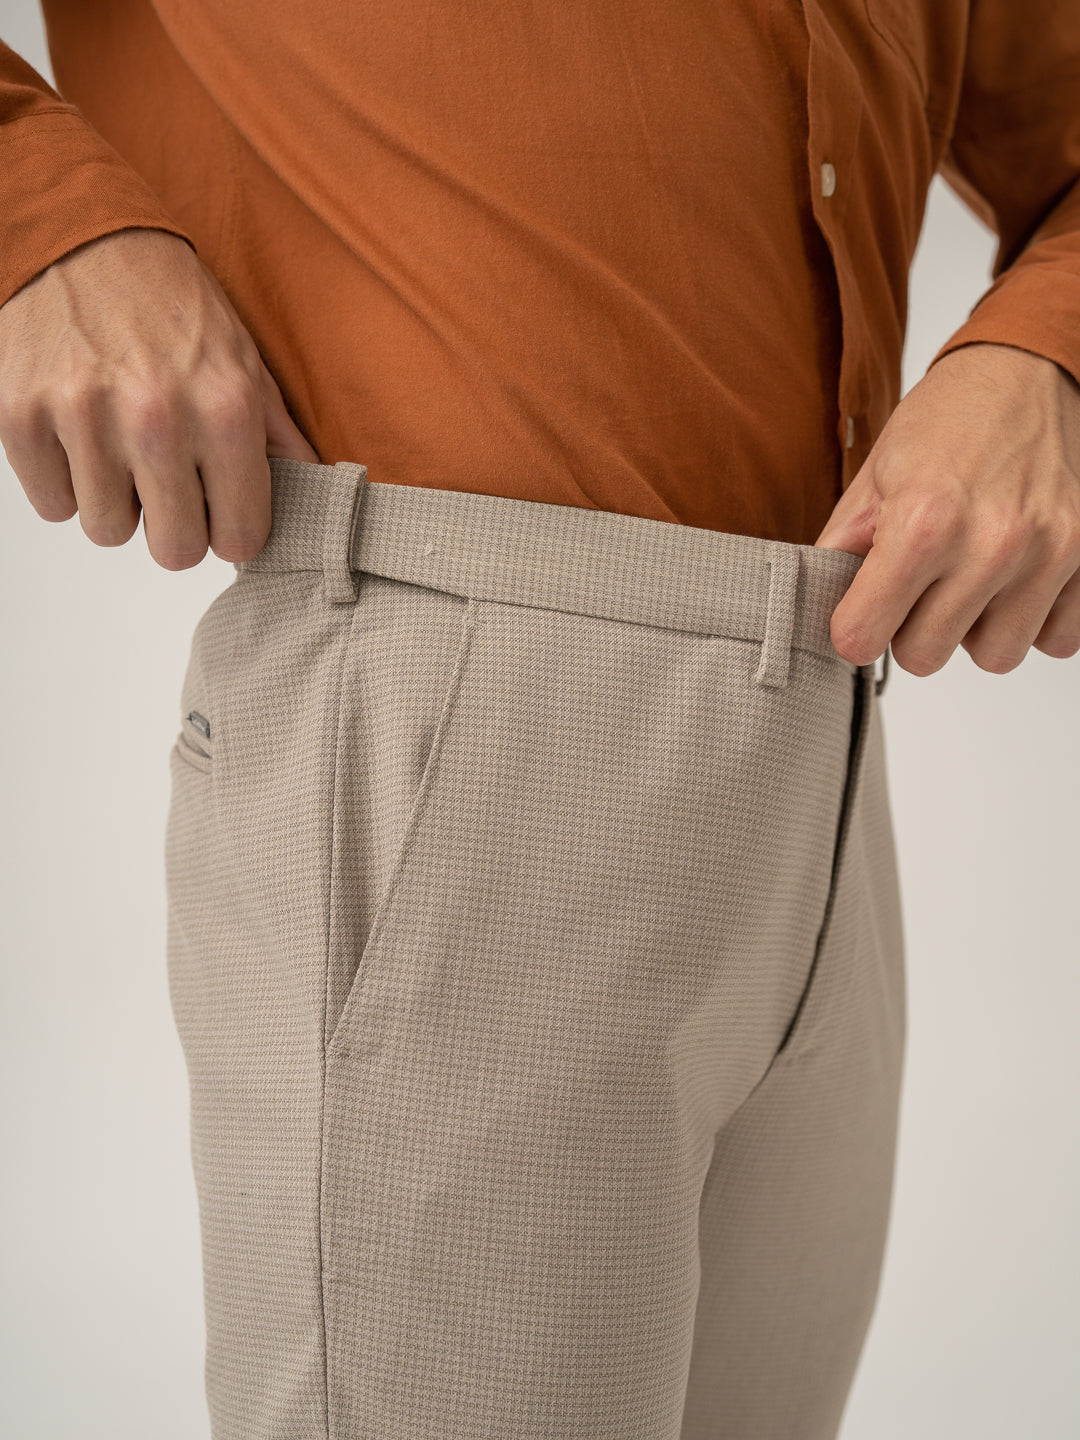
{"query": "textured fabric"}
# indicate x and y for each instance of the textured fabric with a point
(539, 973)
(638, 258)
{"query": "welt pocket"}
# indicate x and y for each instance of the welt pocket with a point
(195, 743)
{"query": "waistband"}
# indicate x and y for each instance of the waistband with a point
(561, 557)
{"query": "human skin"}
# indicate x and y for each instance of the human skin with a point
(967, 514)
(128, 385)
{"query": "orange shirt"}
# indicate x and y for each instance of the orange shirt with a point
(650, 259)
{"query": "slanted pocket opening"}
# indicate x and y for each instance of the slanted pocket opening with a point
(348, 967)
(860, 729)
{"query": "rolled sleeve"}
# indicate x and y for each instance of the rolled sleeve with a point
(1014, 159)
(61, 183)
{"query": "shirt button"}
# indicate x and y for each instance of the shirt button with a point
(828, 179)
(849, 432)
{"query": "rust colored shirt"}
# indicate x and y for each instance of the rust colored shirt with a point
(650, 259)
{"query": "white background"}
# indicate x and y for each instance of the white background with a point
(101, 1330)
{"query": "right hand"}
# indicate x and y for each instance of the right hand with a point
(128, 381)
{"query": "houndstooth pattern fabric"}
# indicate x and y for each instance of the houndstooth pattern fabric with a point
(536, 951)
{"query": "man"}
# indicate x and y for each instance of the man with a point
(534, 928)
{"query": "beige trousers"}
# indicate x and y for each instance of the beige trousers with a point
(535, 947)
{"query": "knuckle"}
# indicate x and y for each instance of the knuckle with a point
(20, 413)
(50, 506)
(50, 494)
(916, 661)
(997, 651)
(995, 662)
(231, 406)
(97, 504)
(1064, 541)
(1002, 548)
(850, 641)
(929, 522)
(150, 409)
(177, 557)
(1060, 647)
(106, 520)
(108, 530)
(240, 543)
(80, 400)
(892, 465)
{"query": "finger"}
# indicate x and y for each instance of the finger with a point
(901, 564)
(101, 481)
(39, 463)
(944, 617)
(853, 520)
(993, 605)
(1060, 633)
(234, 470)
(104, 491)
(156, 440)
(174, 514)
(1012, 621)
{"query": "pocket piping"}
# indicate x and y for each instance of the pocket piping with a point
(193, 747)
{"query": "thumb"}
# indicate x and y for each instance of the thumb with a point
(283, 437)
(852, 524)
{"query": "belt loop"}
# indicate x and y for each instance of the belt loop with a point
(772, 670)
(879, 685)
(346, 485)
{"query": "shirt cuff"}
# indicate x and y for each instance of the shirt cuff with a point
(61, 185)
(1035, 307)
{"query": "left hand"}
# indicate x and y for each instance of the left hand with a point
(967, 514)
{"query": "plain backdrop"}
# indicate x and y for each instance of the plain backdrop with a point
(101, 1329)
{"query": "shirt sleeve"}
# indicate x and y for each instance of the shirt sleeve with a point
(61, 183)
(1014, 159)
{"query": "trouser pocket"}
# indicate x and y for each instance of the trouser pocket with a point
(402, 677)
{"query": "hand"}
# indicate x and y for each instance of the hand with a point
(967, 511)
(126, 380)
